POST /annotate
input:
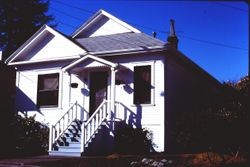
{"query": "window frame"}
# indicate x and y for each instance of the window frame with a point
(58, 91)
(152, 90)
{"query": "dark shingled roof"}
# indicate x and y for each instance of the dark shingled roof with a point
(119, 42)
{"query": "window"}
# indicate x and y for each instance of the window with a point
(47, 92)
(142, 84)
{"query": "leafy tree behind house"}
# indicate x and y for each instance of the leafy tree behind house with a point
(19, 20)
(221, 127)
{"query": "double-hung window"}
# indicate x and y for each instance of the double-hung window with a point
(48, 90)
(142, 84)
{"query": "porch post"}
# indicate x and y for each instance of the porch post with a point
(112, 93)
(83, 137)
(51, 137)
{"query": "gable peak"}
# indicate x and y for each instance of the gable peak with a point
(103, 23)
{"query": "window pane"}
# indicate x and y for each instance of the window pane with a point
(142, 84)
(47, 93)
(50, 83)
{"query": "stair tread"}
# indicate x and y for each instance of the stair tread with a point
(68, 154)
(54, 151)
(73, 132)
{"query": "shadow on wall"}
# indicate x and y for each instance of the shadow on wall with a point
(124, 77)
(84, 114)
(123, 113)
(23, 103)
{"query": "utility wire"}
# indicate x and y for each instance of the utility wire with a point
(66, 14)
(212, 43)
(146, 27)
(68, 5)
(229, 6)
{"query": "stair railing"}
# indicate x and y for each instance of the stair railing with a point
(62, 124)
(90, 127)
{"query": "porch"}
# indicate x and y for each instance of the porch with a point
(91, 112)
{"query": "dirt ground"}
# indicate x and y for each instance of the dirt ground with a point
(206, 159)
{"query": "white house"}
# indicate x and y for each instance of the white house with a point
(105, 72)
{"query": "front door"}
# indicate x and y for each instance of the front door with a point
(98, 89)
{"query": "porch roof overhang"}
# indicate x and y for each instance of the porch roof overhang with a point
(86, 57)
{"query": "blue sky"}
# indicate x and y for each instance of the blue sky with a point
(215, 35)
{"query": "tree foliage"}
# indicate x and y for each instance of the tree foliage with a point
(31, 137)
(19, 20)
(24, 137)
(221, 127)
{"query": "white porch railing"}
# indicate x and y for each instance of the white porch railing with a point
(90, 127)
(62, 124)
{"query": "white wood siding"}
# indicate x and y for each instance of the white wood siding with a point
(26, 96)
(106, 26)
(152, 115)
(50, 46)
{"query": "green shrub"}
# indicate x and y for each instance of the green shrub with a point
(30, 136)
(129, 140)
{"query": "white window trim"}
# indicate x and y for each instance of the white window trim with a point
(152, 100)
(49, 71)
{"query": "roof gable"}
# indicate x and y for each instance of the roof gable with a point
(45, 45)
(103, 23)
(97, 62)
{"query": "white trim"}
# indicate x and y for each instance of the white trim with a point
(44, 60)
(126, 52)
(112, 90)
(25, 45)
(40, 32)
(124, 24)
(60, 91)
(96, 16)
(152, 92)
(17, 78)
(59, 106)
(139, 49)
(88, 56)
(143, 105)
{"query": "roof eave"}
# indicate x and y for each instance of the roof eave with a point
(14, 54)
(45, 27)
(129, 51)
(43, 61)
